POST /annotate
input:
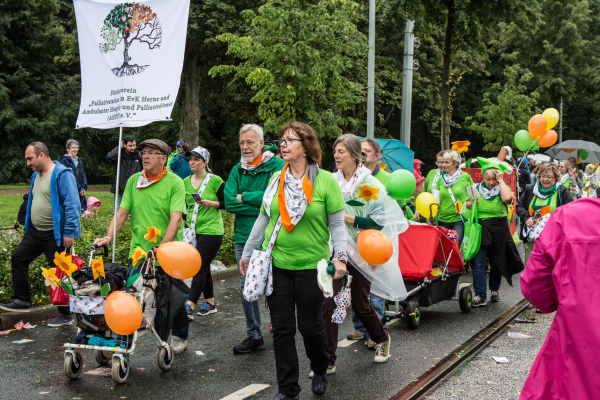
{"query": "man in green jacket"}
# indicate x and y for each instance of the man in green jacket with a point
(244, 192)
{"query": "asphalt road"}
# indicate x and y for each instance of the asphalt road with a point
(35, 370)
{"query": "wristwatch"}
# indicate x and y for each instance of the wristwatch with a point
(107, 237)
(499, 182)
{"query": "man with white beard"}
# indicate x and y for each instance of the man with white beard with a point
(244, 193)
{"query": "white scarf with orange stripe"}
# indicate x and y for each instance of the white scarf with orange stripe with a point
(293, 195)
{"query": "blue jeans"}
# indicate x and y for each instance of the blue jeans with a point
(457, 226)
(251, 309)
(378, 303)
(479, 265)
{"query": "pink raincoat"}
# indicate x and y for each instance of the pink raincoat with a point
(563, 275)
(417, 172)
(93, 205)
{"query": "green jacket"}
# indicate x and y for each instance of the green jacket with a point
(251, 185)
(170, 158)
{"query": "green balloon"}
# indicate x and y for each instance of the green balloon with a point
(523, 140)
(400, 184)
(583, 154)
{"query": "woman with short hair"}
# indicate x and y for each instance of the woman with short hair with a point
(71, 160)
(308, 204)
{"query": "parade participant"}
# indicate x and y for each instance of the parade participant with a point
(433, 176)
(378, 212)
(131, 163)
(70, 160)
(523, 174)
(178, 149)
(208, 226)
(180, 165)
(568, 178)
(154, 198)
(538, 201)
(451, 193)
(496, 241)
(307, 203)
(51, 225)
(244, 192)
(576, 172)
(590, 182)
(560, 277)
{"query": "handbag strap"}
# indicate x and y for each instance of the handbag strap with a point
(474, 213)
(274, 234)
(200, 191)
(454, 201)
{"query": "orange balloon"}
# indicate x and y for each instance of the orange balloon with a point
(374, 247)
(548, 139)
(123, 313)
(537, 125)
(181, 260)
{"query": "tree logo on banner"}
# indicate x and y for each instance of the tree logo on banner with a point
(127, 23)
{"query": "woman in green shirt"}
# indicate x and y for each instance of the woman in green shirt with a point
(496, 241)
(208, 224)
(304, 205)
(451, 193)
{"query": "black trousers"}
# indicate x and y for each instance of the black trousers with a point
(34, 244)
(296, 296)
(208, 246)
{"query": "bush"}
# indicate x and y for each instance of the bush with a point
(226, 253)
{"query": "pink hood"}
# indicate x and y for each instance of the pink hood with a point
(92, 201)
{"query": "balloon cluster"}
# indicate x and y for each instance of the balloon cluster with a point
(540, 131)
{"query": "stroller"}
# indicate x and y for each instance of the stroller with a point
(431, 266)
(160, 297)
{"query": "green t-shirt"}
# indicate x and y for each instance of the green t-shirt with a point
(208, 220)
(151, 207)
(41, 203)
(488, 208)
(429, 181)
(308, 242)
(459, 190)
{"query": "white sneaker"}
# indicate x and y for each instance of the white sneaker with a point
(330, 370)
(382, 351)
(178, 346)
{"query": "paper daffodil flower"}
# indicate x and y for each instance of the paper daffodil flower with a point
(152, 234)
(98, 268)
(458, 206)
(461, 146)
(51, 278)
(65, 263)
(367, 192)
(382, 165)
(138, 253)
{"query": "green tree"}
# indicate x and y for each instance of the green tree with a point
(297, 57)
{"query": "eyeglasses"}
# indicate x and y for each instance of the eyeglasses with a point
(150, 153)
(288, 141)
(546, 177)
(249, 143)
(438, 163)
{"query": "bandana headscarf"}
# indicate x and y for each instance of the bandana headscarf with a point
(143, 181)
(203, 153)
(543, 194)
(450, 180)
(487, 193)
(293, 195)
(573, 188)
(264, 157)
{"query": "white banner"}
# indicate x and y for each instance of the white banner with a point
(131, 59)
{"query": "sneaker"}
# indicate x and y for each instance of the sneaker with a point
(495, 297)
(355, 335)
(382, 351)
(190, 312)
(14, 307)
(249, 345)
(370, 344)
(478, 301)
(319, 384)
(60, 320)
(330, 370)
(280, 396)
(178, 346)
(206, 309)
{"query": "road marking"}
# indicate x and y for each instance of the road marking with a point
(246, 392)
(346, 342)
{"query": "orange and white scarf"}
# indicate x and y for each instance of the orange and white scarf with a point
(143, 181)
(293, 195)
(264, 157)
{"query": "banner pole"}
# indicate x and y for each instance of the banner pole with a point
(114, 238)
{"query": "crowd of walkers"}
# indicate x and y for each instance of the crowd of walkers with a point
(285, 202)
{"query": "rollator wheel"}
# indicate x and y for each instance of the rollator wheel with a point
(164, 361)
(413, 314)
(101, 357)
(117, 372)
(464, 299)
(73, 371)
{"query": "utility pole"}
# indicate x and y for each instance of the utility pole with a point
(407, 81)
(371, 73)
(560, 123)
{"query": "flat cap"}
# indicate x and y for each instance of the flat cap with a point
(157, 144)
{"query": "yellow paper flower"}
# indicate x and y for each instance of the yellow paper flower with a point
(98, 268)
(461, 146)
(51, 278)
(382, 165)
(137, 254)
(152, 234)
(367, 192)
(458, 206)
(65, 263)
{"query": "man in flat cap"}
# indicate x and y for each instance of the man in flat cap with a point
(155, 198)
